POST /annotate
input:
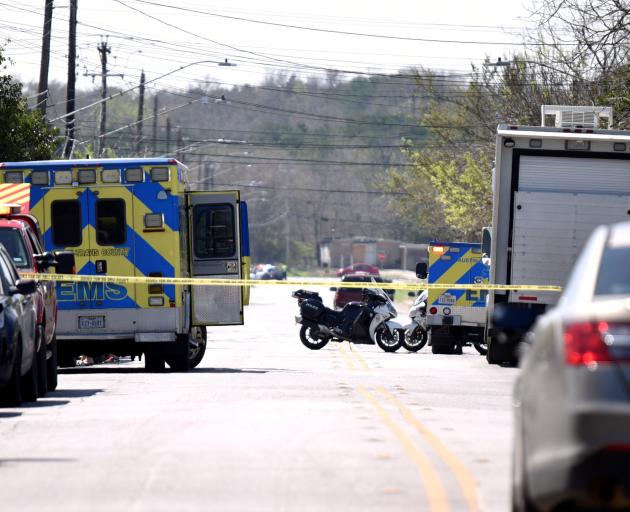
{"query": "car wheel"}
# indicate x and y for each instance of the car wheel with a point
(42, 367)
(51, 363)
(387, 340)
(30, 382)
(312, 338)
(11, 394)
(179, 361)
(521, 502)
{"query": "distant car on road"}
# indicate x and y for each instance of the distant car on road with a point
(572, 398)
(269, 272)
(359, 267)
(18, 340)
(343, 295)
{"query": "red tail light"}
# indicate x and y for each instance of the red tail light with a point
(584, 343)
(433, 310)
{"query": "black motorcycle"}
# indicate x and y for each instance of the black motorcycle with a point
(367, 321)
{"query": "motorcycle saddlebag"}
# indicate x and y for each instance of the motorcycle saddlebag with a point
(312, 309)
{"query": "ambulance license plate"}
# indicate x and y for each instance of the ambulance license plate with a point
(91, 322)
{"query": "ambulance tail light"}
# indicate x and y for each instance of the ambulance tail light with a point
(154, 287)
(433, 310)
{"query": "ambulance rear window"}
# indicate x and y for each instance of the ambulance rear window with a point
(214, 234)
(110, 221)
(66, 223)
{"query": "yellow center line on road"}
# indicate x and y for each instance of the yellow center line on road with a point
(346, 357)
(358, 357)
(433, 487)
(462, 474)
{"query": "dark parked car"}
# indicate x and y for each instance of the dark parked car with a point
(269, 272)
(21, 237)
(18, 343)
(572, 398)
(344, 295)
(359, 267)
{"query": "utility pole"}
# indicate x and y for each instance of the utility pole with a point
(155, 123)
(180, 144)
(42, 89)
(103, 50)
(72, 58)
(140, 113)
(168, 135)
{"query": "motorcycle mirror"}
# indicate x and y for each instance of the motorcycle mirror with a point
(421, 270)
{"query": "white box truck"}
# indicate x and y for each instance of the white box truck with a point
(551, 186)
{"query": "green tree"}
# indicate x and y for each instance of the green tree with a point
(24, 135)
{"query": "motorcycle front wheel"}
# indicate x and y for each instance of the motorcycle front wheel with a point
(415, 339)
(387, 340)
(312, 338)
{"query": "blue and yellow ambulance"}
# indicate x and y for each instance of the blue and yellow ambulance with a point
(137, 217)
(456, 316)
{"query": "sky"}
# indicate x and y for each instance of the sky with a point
(283, 37)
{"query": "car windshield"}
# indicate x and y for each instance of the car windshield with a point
(613, 277)
(14, 244)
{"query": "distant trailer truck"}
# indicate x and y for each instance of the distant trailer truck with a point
(551, 186)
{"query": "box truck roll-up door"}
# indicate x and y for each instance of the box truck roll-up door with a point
(559, 201)
(215, 252)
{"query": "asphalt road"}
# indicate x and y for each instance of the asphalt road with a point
(265, 424)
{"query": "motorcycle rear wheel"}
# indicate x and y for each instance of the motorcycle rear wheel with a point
(387, 341)
(312, 338)
(415, 340)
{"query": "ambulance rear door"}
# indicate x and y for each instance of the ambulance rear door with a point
(92, 222)
(215, 252)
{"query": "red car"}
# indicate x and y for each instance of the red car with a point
(21, 237)
(344, 295)
(359, 267)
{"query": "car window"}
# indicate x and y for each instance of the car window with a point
(66, 223)
(8, 271)
(14, 244)
(613, 277)
(110, 221)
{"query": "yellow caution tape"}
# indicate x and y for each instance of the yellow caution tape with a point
(210, 281)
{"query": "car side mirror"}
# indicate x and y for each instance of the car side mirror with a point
(45, 260)
(65, 262)
(25, 287)
(421, 270)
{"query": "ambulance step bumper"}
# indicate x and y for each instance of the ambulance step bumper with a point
(155, 337)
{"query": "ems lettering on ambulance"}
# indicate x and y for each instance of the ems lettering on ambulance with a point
(104, 225)
(456, 263)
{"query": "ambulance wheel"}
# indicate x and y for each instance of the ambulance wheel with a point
(312, 338)
(197, 346)
(482, 348)
(153, 362)
(179, 361)
(387, 340)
